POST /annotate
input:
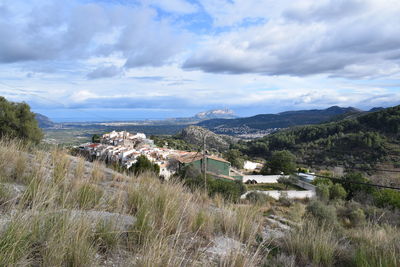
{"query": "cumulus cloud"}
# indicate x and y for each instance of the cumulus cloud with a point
(329, 37)
(70, 30)
(287, 54)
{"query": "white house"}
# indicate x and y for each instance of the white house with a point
(251, 166)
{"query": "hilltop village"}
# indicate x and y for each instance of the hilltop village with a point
(124, 148)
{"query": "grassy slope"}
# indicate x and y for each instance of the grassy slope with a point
(60, 210)
(57, 210)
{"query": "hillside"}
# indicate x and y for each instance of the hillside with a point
(366, 140)
(44, 121)
(194, 135)
(59, 210)
(273, 121)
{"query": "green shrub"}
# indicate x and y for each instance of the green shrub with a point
(319, 180)
(230, 190)
(336, 191)
(323, 192)
(351, 188)
(143, 164)
(387, 198)
(258, 198)
(322, 212)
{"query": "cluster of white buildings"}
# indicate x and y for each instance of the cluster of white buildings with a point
(124, 148)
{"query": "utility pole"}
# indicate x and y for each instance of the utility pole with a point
(204, 162)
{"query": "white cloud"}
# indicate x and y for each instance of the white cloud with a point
(59, 30)
(259, 56)
(317, 37)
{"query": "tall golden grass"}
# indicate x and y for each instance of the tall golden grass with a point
(51, 223)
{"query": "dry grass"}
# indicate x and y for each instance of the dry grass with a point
(313, 243)
(172, 226)
(68, 214)
(376, 246)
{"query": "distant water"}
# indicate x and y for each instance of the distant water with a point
(105, 115)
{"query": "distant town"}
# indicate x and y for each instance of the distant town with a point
(124, 148)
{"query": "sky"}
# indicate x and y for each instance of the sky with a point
(87, 60)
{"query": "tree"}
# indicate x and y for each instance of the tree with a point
(143, 164)
(282, 161)
(95, 138)
(235, 157)
(287, 180)
(350, 181)
(17, 121)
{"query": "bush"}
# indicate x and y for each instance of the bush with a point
(287, 180)
(323, 192)
(143, 164)
(337, 191)
(322, 212)
(387, 198)
(285, 200)
(351, 188)
(352, 214)
(230, 190)
(258, 198)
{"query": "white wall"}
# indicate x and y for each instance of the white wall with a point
(290, 194)
(262, 178)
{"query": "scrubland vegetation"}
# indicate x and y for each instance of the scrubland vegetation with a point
(364, 141)
(59, 210)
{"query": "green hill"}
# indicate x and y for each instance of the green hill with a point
(280, 120)
(365, 140)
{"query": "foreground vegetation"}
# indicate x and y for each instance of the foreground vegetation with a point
(58, 210)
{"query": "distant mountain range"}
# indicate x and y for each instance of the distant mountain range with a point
(286, 119)
(224, 121)
(44, 121)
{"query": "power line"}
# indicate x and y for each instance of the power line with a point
(360, 169)
(354, 182)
